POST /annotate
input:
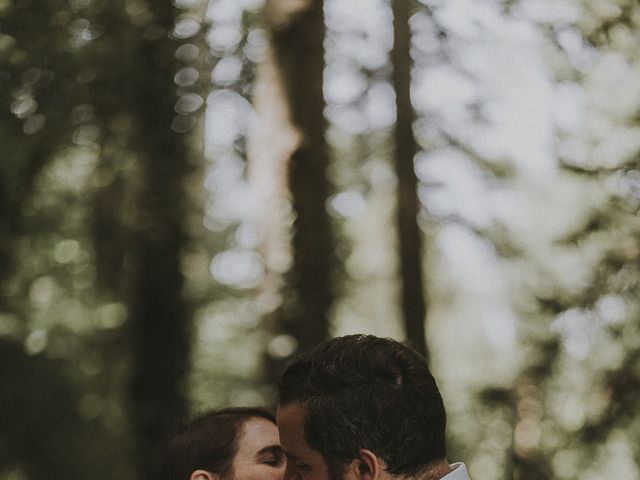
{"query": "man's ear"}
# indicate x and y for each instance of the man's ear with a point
(203, 475)
(367, 466)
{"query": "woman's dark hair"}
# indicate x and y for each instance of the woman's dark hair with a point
(208, 442)
(361, 391)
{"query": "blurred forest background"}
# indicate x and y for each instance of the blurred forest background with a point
(190, 193)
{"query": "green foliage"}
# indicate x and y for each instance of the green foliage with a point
(100, 191)
(73, 182)
(581, 340)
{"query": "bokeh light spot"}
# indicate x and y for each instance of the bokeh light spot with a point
(282, 346)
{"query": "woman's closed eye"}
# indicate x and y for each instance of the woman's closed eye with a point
(273, 460)
(272, 456)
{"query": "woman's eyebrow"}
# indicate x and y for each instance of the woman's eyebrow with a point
(275, 449)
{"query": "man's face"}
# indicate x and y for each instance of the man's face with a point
(303, 462)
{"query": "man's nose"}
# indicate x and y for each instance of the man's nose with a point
(290, 473)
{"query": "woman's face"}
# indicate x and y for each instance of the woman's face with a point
(259, 455)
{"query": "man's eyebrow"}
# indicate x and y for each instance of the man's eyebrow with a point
(291, 456)
(275, 449)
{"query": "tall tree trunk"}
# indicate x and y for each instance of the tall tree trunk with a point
(297, 37)
(412, 284)
(160, 321)
(270, 145)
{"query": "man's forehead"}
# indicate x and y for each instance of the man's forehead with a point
(294, 410)
(291, 416)
(291, 425)
(290, 420)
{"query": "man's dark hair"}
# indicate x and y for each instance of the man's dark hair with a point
(361, 391)
(209, 442)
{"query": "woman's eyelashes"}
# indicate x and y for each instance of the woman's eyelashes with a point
(274, 459)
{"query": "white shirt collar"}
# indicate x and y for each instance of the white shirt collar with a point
(458, 472)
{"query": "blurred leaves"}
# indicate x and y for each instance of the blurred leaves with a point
(527, 128)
